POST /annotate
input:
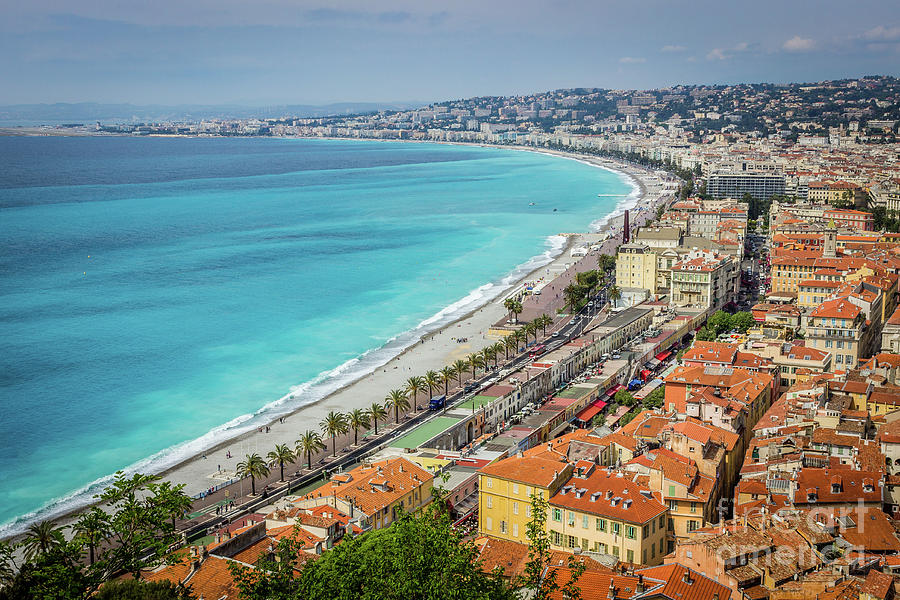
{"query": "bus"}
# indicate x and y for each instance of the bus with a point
(537, 351)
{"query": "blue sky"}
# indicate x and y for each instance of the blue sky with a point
(280, 51)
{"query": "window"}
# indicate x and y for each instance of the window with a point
(488, 482)
(630, 555)
(673, 505)
(584, 521)
(693, 507)
(502, 526)
(489, 501)
(645, 531)
(557, 515)
(557, 538)
(584, 544)
(616, 528)
(652, 552)
(691, 525)
(662, 521)
(661, 546)
(515, 530)
(571, 519)
(515, 488)
(615, 551)
(489, 524)
(528, 510)
(572, 541)
(644, 555)
(515, 508)
(671, 490)
(601, 524)
(629, 532)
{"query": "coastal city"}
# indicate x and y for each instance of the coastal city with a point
(698, 401)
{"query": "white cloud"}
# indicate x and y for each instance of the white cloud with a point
(799, 44)
(883, 34)
(673, 48)
(726, 53)
(632, 60)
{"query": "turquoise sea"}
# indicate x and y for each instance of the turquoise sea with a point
(160, 294)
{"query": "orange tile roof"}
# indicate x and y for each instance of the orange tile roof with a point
(539, 472)
(609, 495)
(398, 475)
(700, 587)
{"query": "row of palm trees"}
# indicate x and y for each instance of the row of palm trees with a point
(398, 401)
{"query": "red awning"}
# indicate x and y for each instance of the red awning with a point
(644, 373)
(663, 355)
(588, 413)
(612, 391)
(591, 411)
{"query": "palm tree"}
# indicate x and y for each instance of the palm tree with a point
(283, 454)
(253, 467)
(614, 294)
(432, 382)
(309, 443)
(460, 367)
(498, 347)
(521, 336)
(397, 400)
(414, 385)
(332, 425)
(91, 527)
(42, 538)
(447, 373)
(545, 320)
(377, 411)
(488, 354)
(517, 309)
(530, 328)
(508, 304)
(474, 361)
(510, 343)
(357, 419)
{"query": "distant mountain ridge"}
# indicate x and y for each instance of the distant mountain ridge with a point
(93, 111)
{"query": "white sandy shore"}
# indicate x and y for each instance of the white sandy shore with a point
(438, 349)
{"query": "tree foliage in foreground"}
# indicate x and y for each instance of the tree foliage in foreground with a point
(134, 531)
(418, 556)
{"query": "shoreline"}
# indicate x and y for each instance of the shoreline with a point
(198, 470)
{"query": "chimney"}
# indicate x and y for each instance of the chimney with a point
(687, 578)
(640, 584)
(612, 590)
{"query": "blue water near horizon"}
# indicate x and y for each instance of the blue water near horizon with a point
(158, 295)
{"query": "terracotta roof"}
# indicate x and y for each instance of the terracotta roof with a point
(678, 587)
(539, 472)
(609, 495)
(839, 308)
(877, 584)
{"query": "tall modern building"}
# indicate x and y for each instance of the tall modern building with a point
(734, 184)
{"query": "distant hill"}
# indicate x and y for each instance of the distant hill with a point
(125, 113)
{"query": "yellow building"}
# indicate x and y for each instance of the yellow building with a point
(505, 489)
(636, 267)
(603, 511)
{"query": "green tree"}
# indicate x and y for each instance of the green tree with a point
(614, 294)
(655, 398)
(720, 322)
(333, 425)
(460, 366)
(706, 334)
(377, 412)
(357, 419)
(510, 343)
(418, 556)
(398, 401)
(432, 383)
(572, 296)
(447, 374)
(281, 454)
(136, 589)
(474, 361)
(141, 522)
(414, 385)
(310, 443)
(742, 321)
(488, 354)
(624, 398)
(91, 529)
(517, 309)
(41, 538)
(509, 304)
(253, 466)
(606, 262)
